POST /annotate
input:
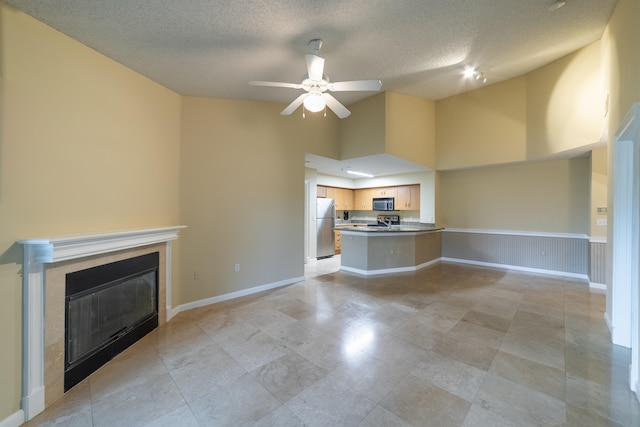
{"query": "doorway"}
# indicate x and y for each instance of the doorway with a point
(624, 320)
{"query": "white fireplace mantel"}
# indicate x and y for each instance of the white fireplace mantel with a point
(37, 253)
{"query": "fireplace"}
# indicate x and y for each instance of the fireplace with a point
(47, 262)
(107, 309)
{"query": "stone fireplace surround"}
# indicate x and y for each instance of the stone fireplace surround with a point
(46, 263)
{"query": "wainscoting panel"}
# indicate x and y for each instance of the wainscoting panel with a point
(566, 254)
(597, 262)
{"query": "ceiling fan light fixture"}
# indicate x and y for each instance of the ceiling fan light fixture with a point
(314, 102)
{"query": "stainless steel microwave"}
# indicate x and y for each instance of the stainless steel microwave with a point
(383, 204)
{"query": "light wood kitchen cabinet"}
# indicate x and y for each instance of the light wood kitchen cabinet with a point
(344, 199)
(408, 198)
(383, 192)
(338, 246)
(330, 193)
(362, 199)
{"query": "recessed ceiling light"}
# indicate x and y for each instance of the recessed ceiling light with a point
(555, 5)
(366, 175)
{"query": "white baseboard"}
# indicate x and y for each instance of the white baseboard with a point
(516, 267)
(14, 420)
(233, 295)
(607, 321)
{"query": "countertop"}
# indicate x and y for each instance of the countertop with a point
(365, 228)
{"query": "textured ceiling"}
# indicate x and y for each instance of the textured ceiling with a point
(418, 47)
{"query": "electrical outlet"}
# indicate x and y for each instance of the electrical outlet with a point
(196, 275)
(237, 268)
(543, 253)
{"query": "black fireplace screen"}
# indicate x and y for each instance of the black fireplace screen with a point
(98, 317)
(108, 308)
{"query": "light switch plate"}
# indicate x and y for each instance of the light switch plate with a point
(601, 221)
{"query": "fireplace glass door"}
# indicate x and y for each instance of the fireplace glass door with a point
(99, 317)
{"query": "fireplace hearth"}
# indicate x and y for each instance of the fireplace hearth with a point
(107, 309)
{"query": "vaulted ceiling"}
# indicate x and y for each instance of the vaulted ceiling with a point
(418, 47)
(213, 48)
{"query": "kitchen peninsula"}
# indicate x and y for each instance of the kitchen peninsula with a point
(381, 250)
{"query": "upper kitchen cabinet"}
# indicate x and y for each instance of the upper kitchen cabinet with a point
(330, 193)
(384, 192)
(363, 199)
(408, 198)
(343, 197)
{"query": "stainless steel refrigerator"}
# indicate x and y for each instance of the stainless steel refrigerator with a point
(325, 223)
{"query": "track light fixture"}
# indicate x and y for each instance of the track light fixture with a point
(475, 73)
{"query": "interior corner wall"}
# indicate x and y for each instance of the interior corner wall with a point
(565, 104)
(621, 70)
(363, 132)
(86, 145)
(494, 131)
(242, 194)
(410, 128)
(598, 192)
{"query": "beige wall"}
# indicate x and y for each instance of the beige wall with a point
(86, 146)
(546, 196)
(556, 109)
(391, 123)
(410, 128)
(621, 65)
(242, 174)
(565, 104)
(621, 71)
(483, 127)
(598, 191)
(363, 132)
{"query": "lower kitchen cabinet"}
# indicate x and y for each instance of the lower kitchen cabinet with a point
(337, 241)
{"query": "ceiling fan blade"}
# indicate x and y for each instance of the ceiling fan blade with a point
(294, 105)
(315, 67)
(356, 85)
(335, 106)
(276, 84)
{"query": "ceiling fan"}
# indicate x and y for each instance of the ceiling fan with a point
(316, 85)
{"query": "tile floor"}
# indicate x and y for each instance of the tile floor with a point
(450, 345)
